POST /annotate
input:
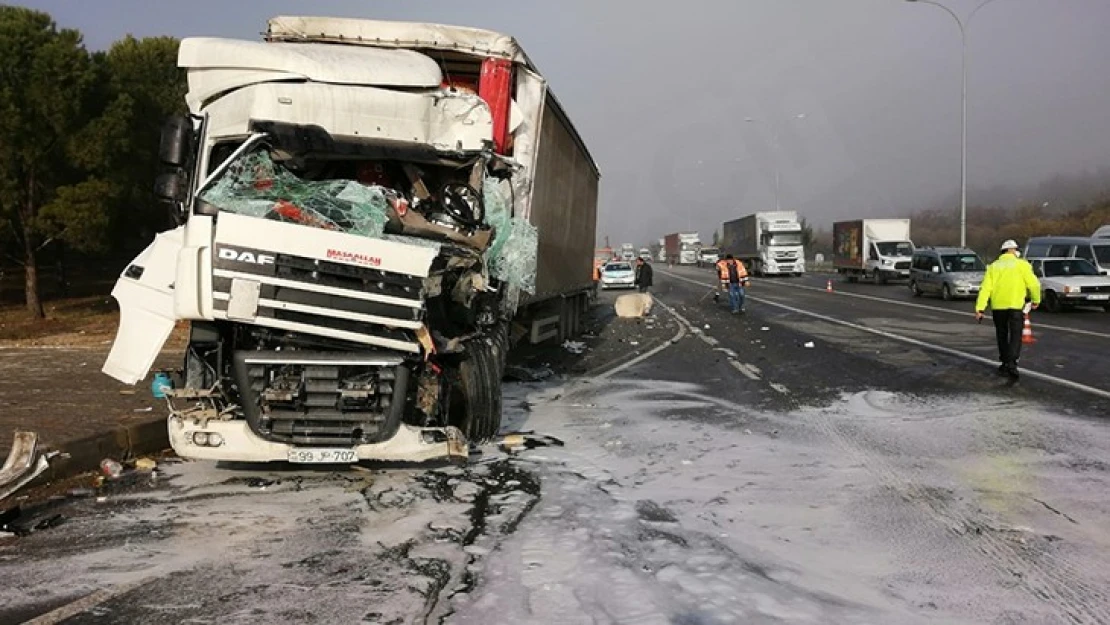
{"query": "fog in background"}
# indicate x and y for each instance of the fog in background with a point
(660, 92)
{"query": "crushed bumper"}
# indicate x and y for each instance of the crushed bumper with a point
(240, 444)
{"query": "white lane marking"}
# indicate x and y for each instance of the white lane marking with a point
(709, 339)
(780, 388)
(727, 352)
(905, 339)
(742, 368)
(949, 311)
(648, 354)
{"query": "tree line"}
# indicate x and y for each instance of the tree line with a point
(78, 142)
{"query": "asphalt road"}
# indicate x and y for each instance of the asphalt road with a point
(822, 458)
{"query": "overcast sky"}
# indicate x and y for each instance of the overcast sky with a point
(660, 92)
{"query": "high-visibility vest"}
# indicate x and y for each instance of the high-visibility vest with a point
(722, 269)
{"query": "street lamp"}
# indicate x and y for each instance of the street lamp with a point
(963, 114)
(775, 144)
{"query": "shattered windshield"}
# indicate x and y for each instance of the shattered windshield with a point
(386, 200)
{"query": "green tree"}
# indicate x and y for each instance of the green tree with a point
(808, 237)
(45, 76)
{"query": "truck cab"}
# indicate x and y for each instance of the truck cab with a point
(708, 256)
(889, 260)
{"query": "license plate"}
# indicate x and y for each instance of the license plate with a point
(323, 456)
(1099, 297)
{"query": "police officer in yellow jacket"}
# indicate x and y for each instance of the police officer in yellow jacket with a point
(1008, 282)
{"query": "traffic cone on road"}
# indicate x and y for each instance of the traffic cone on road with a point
(1027, 332)
(828, 286)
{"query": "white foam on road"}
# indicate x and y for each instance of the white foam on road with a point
(671, 505)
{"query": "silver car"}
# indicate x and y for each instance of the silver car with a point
(950, 272)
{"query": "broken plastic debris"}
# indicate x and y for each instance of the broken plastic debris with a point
(707, 326)
(145, 464)
(633, 343)
(110, 468)
(574, 347)
(528, 374)
(256, 186)
(765, 328)
(808, 345)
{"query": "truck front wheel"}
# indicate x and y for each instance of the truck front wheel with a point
(475, 406)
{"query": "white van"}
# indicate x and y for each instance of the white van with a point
(1095, 250)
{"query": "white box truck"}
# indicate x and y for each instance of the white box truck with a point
(875, 249)
(769, 243)
(365, 211)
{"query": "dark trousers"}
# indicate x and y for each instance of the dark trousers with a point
(1008, 324)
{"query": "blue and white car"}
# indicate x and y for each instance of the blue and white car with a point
(618, 275)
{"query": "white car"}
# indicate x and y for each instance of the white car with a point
(618, 275)
(1068, 282)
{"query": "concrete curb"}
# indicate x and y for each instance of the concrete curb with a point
(85, 454)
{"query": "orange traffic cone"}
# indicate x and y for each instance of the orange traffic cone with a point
(1027, 332)
(828, 286)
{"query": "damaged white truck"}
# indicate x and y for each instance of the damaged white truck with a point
(369, 213)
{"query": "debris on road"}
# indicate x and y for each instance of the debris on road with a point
(21, 466)
(808, 345)
(528, 374)
(765, 328)
(516, 442)
(574, 347)
(110, 468)
(633, 305)
(145, 464)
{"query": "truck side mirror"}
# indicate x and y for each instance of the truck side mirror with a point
(171, 186)
(176, 145)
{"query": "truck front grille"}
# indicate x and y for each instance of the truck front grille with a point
(322, 398)
(359, 304)
(902, 264)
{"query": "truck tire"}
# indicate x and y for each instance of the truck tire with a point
(476, 407)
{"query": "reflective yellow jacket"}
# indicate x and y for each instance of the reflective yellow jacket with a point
(1007, 283)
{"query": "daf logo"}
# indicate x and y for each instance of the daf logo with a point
(226, 253)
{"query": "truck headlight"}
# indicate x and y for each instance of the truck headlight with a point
(887, 261)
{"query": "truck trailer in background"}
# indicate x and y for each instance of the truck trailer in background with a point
(769, 243)
(368, 213)
(875, 249)
(682, 248)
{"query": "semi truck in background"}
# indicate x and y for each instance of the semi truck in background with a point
(875, 249)
(628, 252)
(682, 248)
(369, 213)
(662, 254)
(769, 243)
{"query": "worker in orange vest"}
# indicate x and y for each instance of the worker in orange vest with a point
(731, 272)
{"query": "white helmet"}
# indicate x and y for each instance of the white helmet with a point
(1010, 244)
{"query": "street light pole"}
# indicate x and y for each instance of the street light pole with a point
(775, 147)
(963, 106)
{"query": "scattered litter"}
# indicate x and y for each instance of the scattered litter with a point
(808, 345)
(257, 482)
(145, 464)
(110, 468)
(127, 391)
(528, 374)
(101, 499)
(633, 343)
(147, 409)
(765, 328)
(517, 441)
(574, 347)
(707, 326)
